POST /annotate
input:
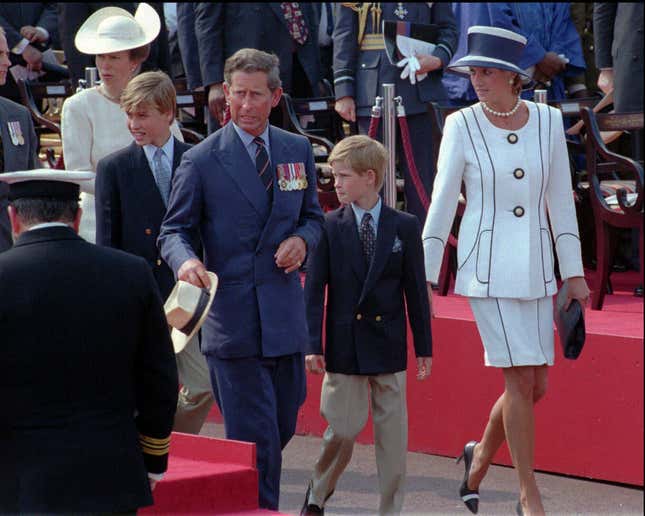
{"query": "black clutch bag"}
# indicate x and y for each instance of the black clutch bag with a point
(570, 324)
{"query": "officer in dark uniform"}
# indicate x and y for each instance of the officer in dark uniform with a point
(361, 66)
(87, 368)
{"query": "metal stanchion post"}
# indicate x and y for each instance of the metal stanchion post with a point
(539, 96)
(389, 141)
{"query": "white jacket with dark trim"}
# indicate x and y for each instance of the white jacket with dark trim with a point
(512, 179)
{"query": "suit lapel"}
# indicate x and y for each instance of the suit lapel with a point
(350, 239)
(384, 242)
(238, 165)
(277, 10)
(179, 149)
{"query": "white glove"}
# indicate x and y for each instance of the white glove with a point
(410, 67)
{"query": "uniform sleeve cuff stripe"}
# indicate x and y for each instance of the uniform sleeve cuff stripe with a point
(344, 78)
(154, 440)
(448, 51)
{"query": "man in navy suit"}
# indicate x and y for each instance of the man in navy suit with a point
(370, 262)
(250, 191)
(132, 189)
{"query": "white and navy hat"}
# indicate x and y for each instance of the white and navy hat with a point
(46, 183)
(186, 310)
(491, 47)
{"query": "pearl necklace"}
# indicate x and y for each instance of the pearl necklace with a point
(507, 113)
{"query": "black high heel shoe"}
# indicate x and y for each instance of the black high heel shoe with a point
(518, 509)
(470, 497)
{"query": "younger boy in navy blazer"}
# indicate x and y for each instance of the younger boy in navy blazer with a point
(370, 259)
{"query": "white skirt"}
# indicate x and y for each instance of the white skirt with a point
(515, 332)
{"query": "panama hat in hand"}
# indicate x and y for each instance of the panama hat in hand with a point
(113, 29)
(186, 310)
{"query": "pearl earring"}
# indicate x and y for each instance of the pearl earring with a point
(511, 81)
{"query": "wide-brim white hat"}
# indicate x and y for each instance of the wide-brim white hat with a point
(113, 29)
(186, 310)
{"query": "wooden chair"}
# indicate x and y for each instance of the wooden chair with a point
(44, 100)
(323, 126)
(625, 210)
(192, 111)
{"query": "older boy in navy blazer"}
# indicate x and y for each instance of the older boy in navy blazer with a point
(370, 258)
(132, 189)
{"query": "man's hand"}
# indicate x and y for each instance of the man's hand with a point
(315, 363)
(33, 57)
(550, 66)
(346, 108)
(429, 289)
(33, 34)
(424, 364)
(290, 254)
(428, 63)
(194, 272)
(217, 102)
(606, 80)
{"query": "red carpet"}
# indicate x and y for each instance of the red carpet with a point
(208, 476)
(589, 424)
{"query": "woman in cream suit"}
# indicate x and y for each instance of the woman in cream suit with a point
(512, 157)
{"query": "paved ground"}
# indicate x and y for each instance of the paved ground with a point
(433, 482)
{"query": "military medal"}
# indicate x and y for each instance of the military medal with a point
(400, 12)
(15, 132)
(292, 176)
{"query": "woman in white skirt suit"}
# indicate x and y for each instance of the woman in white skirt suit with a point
(512, 157)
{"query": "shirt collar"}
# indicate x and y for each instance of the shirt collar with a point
(375, 212)
(48, 225)
(247, 139)
(168, 148)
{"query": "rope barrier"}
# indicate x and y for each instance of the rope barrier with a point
(407, 146)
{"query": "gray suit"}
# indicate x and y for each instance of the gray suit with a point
(618, 36)
(15, 157)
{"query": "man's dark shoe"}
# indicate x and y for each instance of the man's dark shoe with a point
(638, 291)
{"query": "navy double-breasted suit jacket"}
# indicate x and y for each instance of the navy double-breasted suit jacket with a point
(366, 307)
(129, 208)
(258, 309)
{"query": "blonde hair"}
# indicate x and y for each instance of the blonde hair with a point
(153, 89)
(361, 153)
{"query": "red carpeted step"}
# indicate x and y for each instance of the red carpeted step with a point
(207, 476)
